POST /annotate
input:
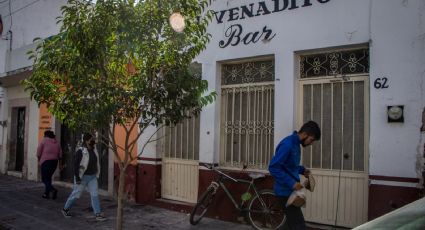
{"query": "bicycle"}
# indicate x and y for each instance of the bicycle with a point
(264, 211)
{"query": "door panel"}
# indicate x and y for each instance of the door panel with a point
(20, 140)
(339, 159)
(180, 180)
(350, 201)
(17, 140)
(180, 165)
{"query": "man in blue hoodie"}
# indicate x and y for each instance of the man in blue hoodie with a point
(285, 168)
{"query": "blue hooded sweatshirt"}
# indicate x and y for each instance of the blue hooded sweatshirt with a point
(288, 156)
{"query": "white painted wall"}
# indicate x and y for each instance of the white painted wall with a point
(27, 19)
(398, 53)
(396, 29)
(32, 162)
(13, 93)
(334, 23)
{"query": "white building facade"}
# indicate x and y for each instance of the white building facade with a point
(356, 67)
(344, 64)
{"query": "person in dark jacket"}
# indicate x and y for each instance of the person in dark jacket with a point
(285, 168)
(86, 172)
(49, 154)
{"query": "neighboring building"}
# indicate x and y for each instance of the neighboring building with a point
(357, 67)
(22, 121)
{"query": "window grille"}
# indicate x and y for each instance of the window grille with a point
(335, 63)
(247, 114)
(339, 109)
(181, 141)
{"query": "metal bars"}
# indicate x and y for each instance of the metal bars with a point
(182, 140)
(343, 62)
(247, 125)
(339, 108)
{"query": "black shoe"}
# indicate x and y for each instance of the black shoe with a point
(54, 194)
(65, 213)
(45, 196)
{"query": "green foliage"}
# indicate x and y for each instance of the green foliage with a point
(118, 61)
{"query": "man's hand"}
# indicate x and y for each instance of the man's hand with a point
(307, 173)
(298, 186)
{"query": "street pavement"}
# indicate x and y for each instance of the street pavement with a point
(22, 207)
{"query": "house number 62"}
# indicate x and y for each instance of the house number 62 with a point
(381, 83)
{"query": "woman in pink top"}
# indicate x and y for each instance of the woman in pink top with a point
(49, 154)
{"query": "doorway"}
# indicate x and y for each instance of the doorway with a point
(17, 139)
(333, 91)
(339, 159)
(70, 141)
(180, 162)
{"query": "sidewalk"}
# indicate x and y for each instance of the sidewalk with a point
(21, 207)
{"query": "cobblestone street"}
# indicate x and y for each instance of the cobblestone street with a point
(21, 207)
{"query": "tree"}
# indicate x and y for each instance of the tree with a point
(119, 63)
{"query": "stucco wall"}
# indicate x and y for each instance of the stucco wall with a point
(321, 25)
(17, 94)
(27, 19)
(395, 32)
(397, 53)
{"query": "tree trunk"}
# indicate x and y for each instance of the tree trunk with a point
(120, 200)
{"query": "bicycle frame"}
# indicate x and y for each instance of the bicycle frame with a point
(260, 212)
(251, 186)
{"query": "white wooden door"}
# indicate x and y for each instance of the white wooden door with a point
(180, 162)
(180, 180)
(339, 160)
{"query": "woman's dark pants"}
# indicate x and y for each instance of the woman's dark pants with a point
(47, 169)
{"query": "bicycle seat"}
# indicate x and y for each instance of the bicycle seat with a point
(255, 175)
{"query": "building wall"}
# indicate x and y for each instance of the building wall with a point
(321, 25)
(17, 95)
(394, 31)
(27, 20)
(399, 55)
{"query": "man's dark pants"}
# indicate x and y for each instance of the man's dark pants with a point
(294, 216)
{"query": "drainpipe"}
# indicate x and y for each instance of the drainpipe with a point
(423, 153)
(423, 174)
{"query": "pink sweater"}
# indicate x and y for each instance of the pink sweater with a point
(48, 149)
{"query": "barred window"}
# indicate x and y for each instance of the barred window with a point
(247, 114)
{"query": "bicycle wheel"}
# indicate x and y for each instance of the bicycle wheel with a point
(265, 211)
(201, 207)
